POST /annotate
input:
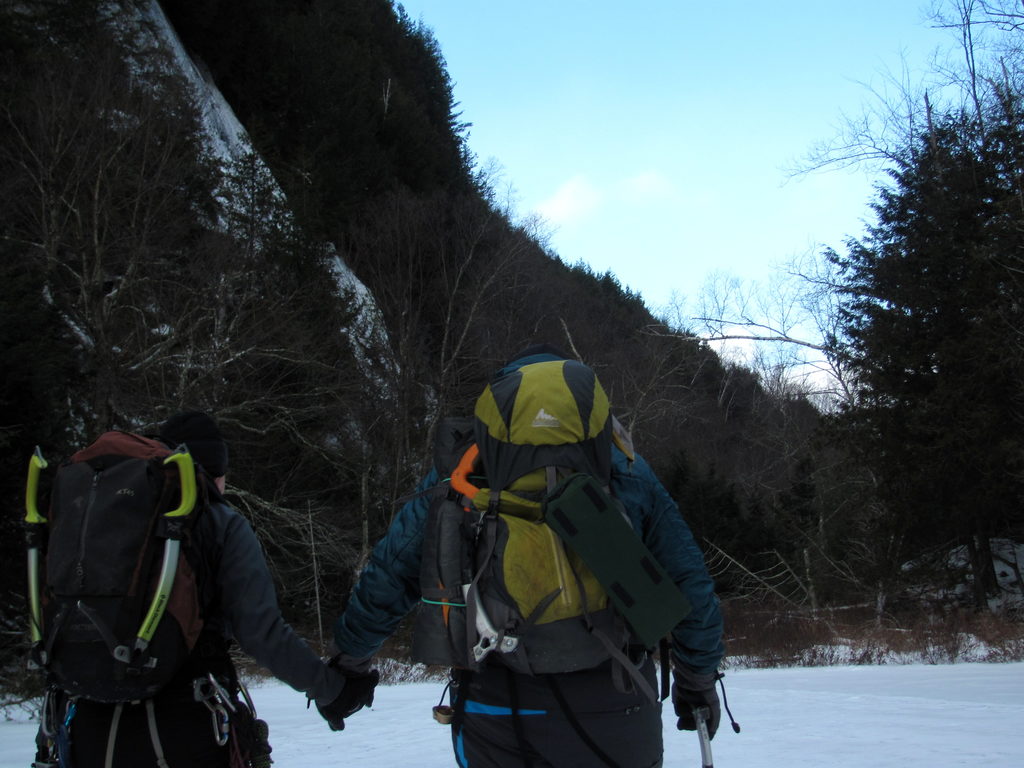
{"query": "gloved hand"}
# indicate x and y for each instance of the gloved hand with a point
(691, 690)
(356, 694)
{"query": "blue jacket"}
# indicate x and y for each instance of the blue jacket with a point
(389, 586)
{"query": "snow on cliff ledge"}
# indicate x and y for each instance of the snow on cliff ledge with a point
(228, 140)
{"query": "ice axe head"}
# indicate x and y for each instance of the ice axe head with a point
(35, 464)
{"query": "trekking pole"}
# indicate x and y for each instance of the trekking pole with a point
(700, 716)
(172, 525)
(35, 531)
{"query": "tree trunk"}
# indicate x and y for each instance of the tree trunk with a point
(979, 552)
(812, 593)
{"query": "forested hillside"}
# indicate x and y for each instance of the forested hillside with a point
(140, 273)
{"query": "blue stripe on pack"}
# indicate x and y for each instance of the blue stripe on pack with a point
(477, 708)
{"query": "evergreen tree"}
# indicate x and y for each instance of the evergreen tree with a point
(933, 319)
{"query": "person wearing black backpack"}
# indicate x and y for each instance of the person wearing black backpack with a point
(197, 719)
(584, 697)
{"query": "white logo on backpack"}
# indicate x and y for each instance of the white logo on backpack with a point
(545, 419)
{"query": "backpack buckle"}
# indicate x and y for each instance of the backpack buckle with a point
(133, 661)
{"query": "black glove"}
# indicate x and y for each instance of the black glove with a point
(691, 690)
(357, 693)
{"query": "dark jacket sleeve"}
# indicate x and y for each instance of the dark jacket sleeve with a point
(389, 586)
(697, 640)
(247, 604)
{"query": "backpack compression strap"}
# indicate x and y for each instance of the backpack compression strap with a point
(483, 499)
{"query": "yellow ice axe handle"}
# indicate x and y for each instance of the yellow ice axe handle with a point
(35, 464)
(187, 473)
(163, 592)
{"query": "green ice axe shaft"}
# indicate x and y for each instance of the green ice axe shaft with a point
(33, 519)
(172, 546)
(700, 717)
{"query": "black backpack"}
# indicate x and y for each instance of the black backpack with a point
(115, 605)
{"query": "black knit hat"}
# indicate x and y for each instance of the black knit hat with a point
(201, 435)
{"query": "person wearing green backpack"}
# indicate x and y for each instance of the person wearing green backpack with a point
(549, 629)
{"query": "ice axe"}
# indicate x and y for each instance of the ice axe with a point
(171, 528)
(35, 532)
(700, 717)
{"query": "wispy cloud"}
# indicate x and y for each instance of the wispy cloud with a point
(576, 198)
(646, 187)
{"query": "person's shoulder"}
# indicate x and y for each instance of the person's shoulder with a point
(218, 516)
(626, 466)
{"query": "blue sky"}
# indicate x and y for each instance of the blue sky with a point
(655, 137)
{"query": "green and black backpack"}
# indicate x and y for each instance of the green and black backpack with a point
(528, 560)
(114, 596)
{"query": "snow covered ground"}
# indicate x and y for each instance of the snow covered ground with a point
(837, 717)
